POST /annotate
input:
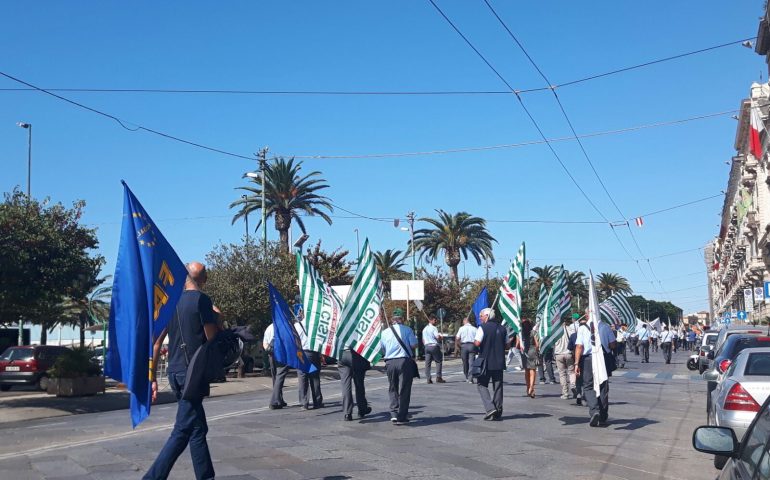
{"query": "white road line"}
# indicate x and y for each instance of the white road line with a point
(46, 425)
(647, 375)
(157, 428)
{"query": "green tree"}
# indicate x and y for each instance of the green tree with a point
(544, 275)
(390, 265)
(576, 285)
(454, 236)
(237, 281)
(288, 196)
(333, 266)
(609, 284)
(87, 307)
(46, 259)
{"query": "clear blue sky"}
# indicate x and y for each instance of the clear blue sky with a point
(393, 45)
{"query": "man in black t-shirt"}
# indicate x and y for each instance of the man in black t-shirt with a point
(193, 324)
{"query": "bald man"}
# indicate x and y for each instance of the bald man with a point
(194, 323)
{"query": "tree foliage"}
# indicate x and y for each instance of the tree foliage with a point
(46, 259)
(333, 266)
(237, 281)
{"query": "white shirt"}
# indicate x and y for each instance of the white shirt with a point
(467, 333)
(655, 334)
(584, 338)
(268, 336)
(430, 335)
(302, 335)
(666, 337)
(620, 337)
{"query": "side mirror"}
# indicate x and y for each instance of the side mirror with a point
(715, 440)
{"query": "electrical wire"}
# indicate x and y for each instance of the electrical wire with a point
(384, 92)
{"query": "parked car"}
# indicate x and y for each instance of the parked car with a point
(708, 342)
(746, 459)
(27, 365)
(726, 355)
(740, 392)
(731, 330)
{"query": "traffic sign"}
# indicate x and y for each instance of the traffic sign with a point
(767, 290)
(441, 313)
(741, 315)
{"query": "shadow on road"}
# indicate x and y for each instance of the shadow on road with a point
(632, 424)
(526, 416)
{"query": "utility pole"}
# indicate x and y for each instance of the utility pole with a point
(262, 159)
(246, 218)
(410, 219)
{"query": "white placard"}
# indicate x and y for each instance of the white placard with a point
(407, 290)
(342, 291)
(748, 299)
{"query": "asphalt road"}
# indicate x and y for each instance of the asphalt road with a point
(654, 409)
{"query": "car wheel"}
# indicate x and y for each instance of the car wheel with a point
(4, 388)
(719, 462)
(42, 383)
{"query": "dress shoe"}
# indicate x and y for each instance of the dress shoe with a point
(440, 380)
(429, 381)
(579, 402)
(318, 405)
(276, 407)
(403, 421)
(490, 415)
(595, 420)
(304, 407)
(284, 404)
(348, 417)
(364, 412)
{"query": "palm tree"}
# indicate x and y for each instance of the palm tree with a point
(88, 311)
(544, 275)
(390, 264)
(612, 283)
(576, 286)
(456, 236)
(287, 196)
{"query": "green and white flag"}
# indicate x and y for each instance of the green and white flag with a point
(542, 302)
(322, 307)
(617, 311)
(361, 325)
(511, 290)
(557, 306)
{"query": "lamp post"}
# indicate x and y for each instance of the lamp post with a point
(410, 219)
(246, 217)
(28, 127)
(358, 244)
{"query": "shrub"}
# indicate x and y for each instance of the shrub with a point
(78, 362)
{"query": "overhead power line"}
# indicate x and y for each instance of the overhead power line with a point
(281, 92)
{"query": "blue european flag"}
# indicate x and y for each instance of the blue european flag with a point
(482, 302)
(287, 347)
(149, 278)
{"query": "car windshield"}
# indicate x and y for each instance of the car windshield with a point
(737, 344)
(16, 354)
(711, 340)
(758, 364)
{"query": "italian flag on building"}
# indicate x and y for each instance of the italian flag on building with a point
(757, 133)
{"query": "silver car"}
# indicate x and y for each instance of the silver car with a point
(741, 390)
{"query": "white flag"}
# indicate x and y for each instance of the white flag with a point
(597, 358)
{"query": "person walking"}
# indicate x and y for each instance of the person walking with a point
(305, 380)
(666, 339)
(598, 407)
(545, 366)
(193, 324)
(491, 340)
(432, 341)
(644, 340)
(278, 371)
(634, 337)
(528, 345)
(398, 343)
(465, 347)
(620, 349)
(352, 369)
(565, 358)
(691, 337)
(513, 352)
(675, 340)
(654, 337)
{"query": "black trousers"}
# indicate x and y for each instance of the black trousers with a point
(312, 380)
(467, 353)
(596, 404)
(666, 347)
(495, 400)
(400, 387)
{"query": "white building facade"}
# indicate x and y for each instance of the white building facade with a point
(737, 259)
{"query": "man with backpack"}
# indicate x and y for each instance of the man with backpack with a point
(564, 355)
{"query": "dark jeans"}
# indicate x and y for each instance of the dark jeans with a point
(600, 404)
(546, 361)
(494, 401)
(312, 380)
(190, 428)
(400, 388)
(620, 354)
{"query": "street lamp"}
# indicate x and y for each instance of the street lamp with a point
(28, 127)
(246, 217)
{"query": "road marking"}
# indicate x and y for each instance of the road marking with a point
(157, 428)
(45, 425)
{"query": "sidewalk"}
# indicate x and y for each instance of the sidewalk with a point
(41, 405)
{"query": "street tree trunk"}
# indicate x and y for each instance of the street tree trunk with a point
(452, 259)
(43, 334)
(282, 224)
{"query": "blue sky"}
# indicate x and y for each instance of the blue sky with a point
(394, 45)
